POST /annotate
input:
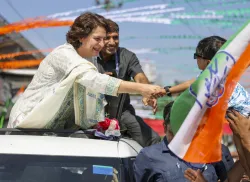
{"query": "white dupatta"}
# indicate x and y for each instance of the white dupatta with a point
(65, 87)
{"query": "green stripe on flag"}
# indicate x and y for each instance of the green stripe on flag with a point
(180, 110)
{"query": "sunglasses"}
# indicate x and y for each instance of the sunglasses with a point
(199, 56)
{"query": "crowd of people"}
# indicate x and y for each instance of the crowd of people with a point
(88, 78)
(158, 163)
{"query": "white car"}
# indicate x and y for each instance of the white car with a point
(28, 158)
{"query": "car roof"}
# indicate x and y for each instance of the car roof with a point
(63, 146)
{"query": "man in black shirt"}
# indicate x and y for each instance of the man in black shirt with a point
(122, 63)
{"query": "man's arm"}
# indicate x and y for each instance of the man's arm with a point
(135, 71)
(181, 87)
(240, 126)
(236, 173)
(141, 78)
(242, 156)
(246, 151)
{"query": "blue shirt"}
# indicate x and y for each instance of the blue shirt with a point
(240, 100)
(157, 163)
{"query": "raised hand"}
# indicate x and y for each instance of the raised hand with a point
(238, 123)
(115, 177)
(194, 176)
(150, 102)
(240, 126)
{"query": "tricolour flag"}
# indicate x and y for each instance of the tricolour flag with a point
(198, 114)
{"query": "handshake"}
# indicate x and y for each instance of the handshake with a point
(150, 94)
(153, 91)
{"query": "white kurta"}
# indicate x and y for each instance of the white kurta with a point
(65, 85)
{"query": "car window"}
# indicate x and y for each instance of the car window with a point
(37, 168)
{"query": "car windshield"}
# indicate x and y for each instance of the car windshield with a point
(38, 168)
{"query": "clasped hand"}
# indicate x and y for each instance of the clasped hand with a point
(150, 96)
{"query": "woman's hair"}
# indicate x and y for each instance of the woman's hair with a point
(83, 26)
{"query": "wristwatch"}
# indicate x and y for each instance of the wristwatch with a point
(167, 91)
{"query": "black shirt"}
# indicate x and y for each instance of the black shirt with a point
(129, 67)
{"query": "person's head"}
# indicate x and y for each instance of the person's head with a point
(87, 34)
(206, 49)
(166, 123)
(111, 42)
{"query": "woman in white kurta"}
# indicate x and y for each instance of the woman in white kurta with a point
(67, 88)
